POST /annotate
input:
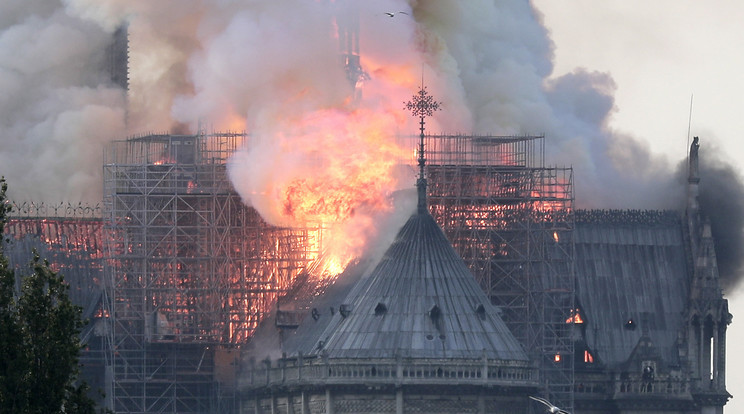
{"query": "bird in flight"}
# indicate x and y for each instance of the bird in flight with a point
(392, 14)
(552, 409)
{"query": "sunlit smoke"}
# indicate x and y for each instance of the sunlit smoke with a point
(57, 106)
(272, 68)
(333, 168)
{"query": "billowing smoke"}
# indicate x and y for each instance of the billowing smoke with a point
(722, 201)
(251, 65)
(57, 106)
(498, 56)
(163, 37)
(272, 68)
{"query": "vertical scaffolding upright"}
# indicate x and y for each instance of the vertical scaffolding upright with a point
(511, 219)
(190, 271)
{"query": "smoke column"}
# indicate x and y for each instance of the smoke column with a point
(57, 106)
(272, 68)
(722, 201)
(497, 55)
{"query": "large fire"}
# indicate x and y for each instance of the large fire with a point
(331, 169)
(322, 151)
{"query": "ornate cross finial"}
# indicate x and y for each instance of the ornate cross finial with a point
(422, 105)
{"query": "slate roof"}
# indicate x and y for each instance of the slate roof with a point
(420, 301)
(631, 266)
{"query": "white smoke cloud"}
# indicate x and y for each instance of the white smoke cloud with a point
(229, 64)
(57, 107)
(248, 64)
(264, 57)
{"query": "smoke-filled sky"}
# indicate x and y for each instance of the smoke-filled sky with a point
(609, 84)
(252, 65)
(661, 54)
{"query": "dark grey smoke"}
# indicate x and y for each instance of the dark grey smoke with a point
(499, 58)
(722, 201)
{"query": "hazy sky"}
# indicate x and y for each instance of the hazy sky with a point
(661, 54)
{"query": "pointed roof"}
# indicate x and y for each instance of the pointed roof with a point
(420, 301)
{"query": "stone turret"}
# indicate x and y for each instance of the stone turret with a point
(707, 312)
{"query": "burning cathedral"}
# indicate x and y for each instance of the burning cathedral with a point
(496, 294)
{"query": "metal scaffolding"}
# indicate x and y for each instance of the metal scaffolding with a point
(511, 219)
(190, 270)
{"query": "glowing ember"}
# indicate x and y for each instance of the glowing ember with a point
(334, 266)
(164, 161)
(588, 358)
(575, 317)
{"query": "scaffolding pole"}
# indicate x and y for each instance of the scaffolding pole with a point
(190, 270)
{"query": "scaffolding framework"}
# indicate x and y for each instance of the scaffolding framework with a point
(190, 269)
(511, 220)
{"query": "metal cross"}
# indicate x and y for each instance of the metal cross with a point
(422, 105)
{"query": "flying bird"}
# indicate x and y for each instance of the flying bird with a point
(552, 409)
(392, 14)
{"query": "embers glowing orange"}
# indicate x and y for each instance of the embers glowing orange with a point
(575, 317)
(164, 161)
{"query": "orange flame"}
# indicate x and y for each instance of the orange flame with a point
(575, 317)
(330, 163)
(164, 161)
(331, 169)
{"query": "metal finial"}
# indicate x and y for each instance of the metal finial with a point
(422, 105)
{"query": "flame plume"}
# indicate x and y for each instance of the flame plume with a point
(332, 169)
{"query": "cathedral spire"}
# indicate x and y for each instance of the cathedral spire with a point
(422, 105)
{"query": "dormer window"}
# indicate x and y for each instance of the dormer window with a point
(436, 317)
(480, 310)
(435, 313)
(380, 309)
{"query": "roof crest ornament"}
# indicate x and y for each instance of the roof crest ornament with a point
(422, 105)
